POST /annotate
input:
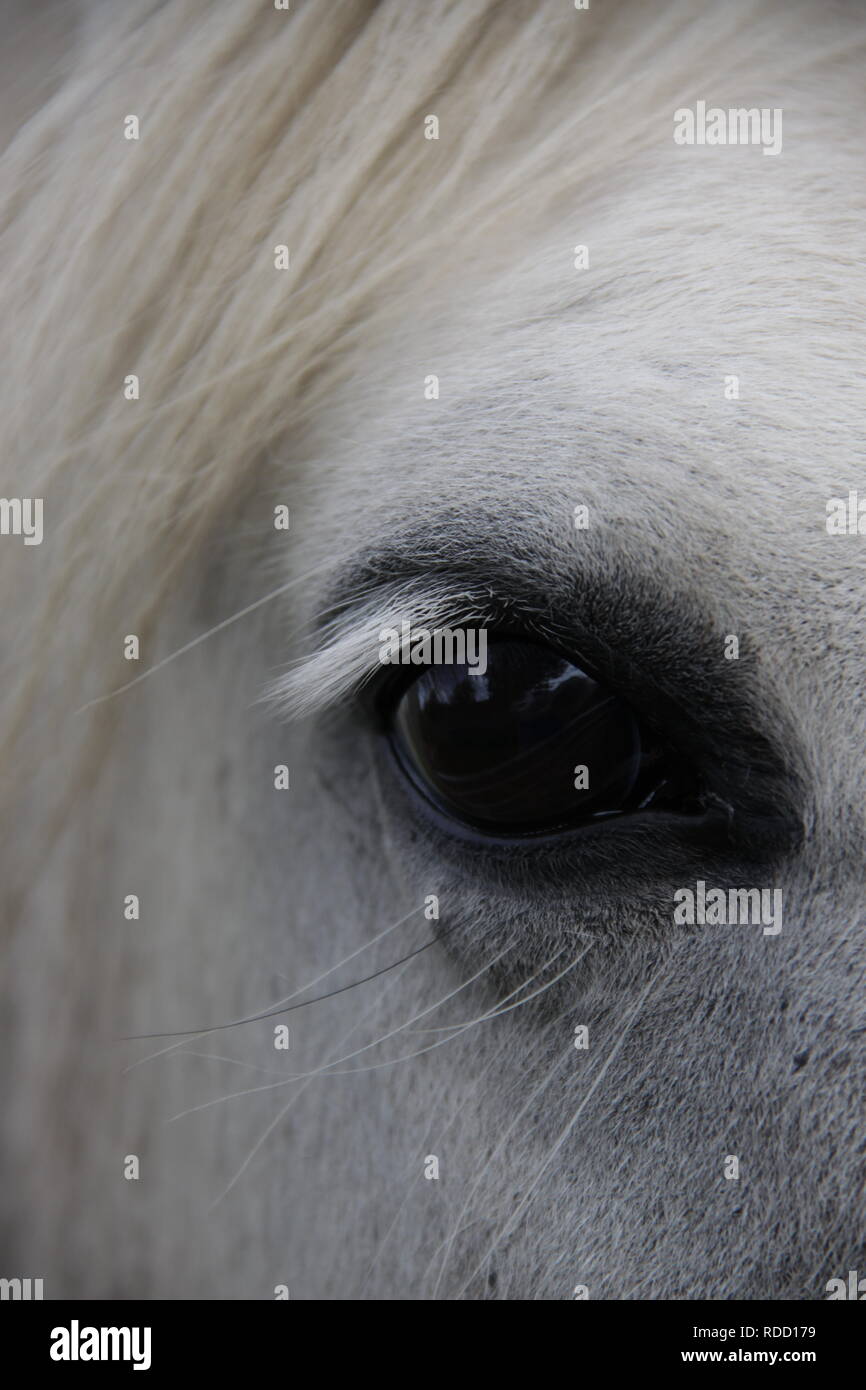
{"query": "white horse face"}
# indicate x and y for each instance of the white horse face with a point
(513, 1068)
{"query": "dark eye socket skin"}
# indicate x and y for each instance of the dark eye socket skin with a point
(533, 746)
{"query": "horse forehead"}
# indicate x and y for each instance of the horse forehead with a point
(711, 494)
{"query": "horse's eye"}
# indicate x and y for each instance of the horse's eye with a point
(534, 744)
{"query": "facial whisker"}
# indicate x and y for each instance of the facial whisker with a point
(279, 1007)
(326, 1068)
(515, 1216)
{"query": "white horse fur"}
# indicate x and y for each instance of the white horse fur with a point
(605, 385)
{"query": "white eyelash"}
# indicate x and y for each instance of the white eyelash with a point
(350, 655)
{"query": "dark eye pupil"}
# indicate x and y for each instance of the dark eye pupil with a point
(533, 743)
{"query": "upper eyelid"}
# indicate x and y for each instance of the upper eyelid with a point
(398, 583)
(347, 658)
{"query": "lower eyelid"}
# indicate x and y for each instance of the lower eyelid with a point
(627, 851)
(561, 835)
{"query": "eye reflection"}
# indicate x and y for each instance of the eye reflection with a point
(504, 750)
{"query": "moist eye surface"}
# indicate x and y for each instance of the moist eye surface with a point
(534, 743)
